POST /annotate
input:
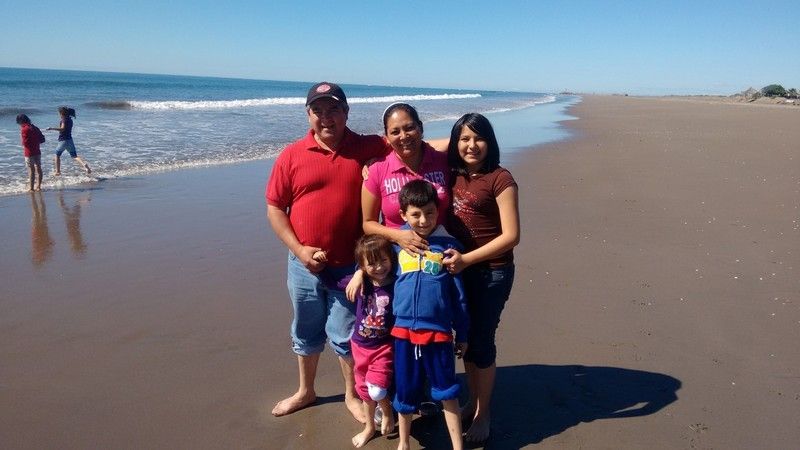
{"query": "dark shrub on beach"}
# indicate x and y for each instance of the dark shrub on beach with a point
(774, 90)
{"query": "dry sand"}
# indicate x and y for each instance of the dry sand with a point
(656, 302)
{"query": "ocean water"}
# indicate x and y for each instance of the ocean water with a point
(134, 124)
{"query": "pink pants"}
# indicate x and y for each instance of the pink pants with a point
(373, 366)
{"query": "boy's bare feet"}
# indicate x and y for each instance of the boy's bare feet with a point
(294, 403)
(356, 408)
(478, 431)
(362, 438)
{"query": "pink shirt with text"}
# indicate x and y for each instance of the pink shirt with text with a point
(387, 176)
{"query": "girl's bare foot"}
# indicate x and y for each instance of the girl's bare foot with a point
(355, 406)
(467, 413)
(479, 430)
(362, 438)
(294, 403)
(387, 423)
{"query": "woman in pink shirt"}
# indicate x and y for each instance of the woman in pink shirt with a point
(411, 159)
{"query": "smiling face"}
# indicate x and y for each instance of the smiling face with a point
(328, 119)
(379, 269)
(421, 219)
(472, 149)
(404, 135)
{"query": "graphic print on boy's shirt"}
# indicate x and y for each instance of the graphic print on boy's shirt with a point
(430, 262)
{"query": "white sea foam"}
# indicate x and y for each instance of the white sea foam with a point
(51, 183)
(540, 101)
(255, 102)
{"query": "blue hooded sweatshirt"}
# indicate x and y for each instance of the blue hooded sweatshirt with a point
(426, 296)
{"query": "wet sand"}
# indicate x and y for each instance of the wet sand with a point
(655, 304)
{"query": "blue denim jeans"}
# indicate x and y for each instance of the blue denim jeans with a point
(67, 145)
(487, 292)
(320, 313)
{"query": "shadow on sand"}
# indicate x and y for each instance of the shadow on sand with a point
(534, 402)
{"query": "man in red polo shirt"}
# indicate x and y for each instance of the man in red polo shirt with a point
(314, 205)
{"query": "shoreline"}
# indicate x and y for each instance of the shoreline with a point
(152, 311)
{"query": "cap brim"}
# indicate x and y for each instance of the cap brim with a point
(323, 96)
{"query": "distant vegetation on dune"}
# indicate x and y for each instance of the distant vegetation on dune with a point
(773, 91)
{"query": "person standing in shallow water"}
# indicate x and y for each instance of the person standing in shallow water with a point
(65, 140)
(31, 138)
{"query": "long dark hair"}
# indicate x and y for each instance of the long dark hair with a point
(23, 118)
(66, 111)
(483, 128)
(410, 110)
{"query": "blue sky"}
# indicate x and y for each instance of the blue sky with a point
(638, 47)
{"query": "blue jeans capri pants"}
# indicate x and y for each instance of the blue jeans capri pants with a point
(67, 145)
(487, 292)
(320, 313)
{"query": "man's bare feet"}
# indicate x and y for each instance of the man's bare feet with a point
(356, 408)
(362, 438)
(294, 403)
(479, 430)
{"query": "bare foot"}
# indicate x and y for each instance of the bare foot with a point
(356, 409)
(293, 403)
(38, 188)
(362, 438)
(478, 431)
(467, 413)
(88, 170)
(403, 446)
(387, 423)
(57, 174)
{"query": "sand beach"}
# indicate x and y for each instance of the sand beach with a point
(655, 305)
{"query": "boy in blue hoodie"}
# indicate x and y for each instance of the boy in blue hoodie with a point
(429, 303)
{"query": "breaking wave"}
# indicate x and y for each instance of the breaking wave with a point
(260, 102)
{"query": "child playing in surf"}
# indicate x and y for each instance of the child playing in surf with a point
(65, 140)
(31, 138)
(429, 304)
(371, 343)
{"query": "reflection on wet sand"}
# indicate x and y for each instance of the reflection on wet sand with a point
(72, 220)
(41, 242)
